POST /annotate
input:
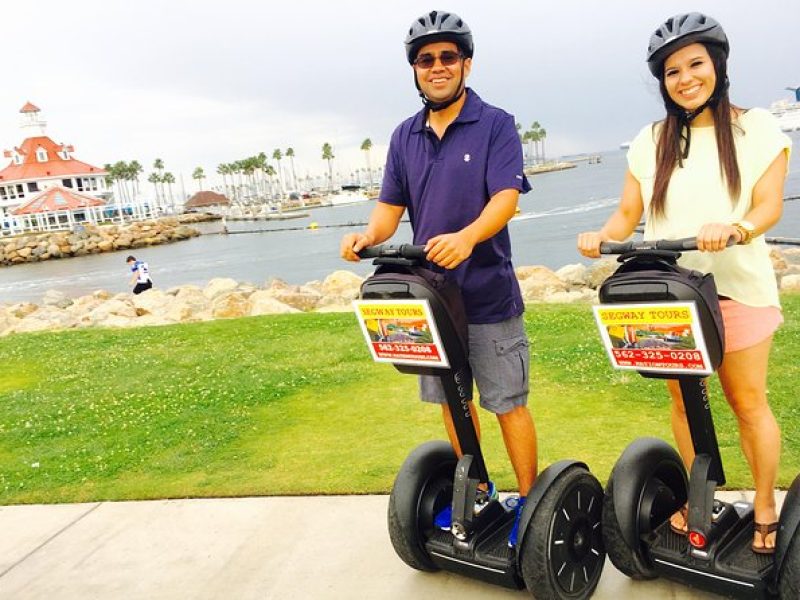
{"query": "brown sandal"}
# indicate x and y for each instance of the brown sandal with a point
(764, 529)
(684, 512)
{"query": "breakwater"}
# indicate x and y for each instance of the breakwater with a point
(94, 239)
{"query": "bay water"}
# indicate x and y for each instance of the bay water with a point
(561, 205)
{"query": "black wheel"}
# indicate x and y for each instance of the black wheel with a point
(789, 577)
(648, 484)
(562, 552)
(422, 488)
(787, 545)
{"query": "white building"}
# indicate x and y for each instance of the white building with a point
(39, 163)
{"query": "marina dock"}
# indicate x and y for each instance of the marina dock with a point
(548, 167)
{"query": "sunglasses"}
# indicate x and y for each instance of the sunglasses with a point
(448, 58)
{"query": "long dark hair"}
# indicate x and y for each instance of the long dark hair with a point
(674, 138)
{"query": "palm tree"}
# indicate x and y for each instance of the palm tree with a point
(536, 137)
(542, 135)
(109, 179)
(277, 156)
(533, 140)
(117, 175)
(290, 154)
(269, 171)
(169, 179)
(130, 174)
(155, 179)
(199, 174)
(327, 154)
(248, 170)
(366, 146)
(222, 169)
(158, 165)
(528, 139)
(136, 169)
(260, 164)
(235, 171)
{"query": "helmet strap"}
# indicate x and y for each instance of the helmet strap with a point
(437, 106)
(685, 117)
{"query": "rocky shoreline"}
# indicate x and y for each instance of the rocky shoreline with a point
(93, 239)
(224, 298)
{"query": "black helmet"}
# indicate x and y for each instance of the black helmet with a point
(438, 26)
(683, 30)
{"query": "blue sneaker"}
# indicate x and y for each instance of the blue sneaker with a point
(512, 537)
(444, 518)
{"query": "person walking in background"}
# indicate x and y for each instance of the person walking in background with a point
(140, 278)
(715, 171)
(456, 166)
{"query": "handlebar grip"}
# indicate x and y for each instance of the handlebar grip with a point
(413, 252)
(689, 243)
(615, 247)
(679, 245)
(371, 252)
(409, 251)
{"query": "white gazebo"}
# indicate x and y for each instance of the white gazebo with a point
(58, 208)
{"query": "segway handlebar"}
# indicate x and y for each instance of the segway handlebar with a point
(680, 245)
(408, 251)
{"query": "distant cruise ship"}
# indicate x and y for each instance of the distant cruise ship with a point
(788, 112)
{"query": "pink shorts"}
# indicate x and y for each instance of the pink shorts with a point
(747, 326)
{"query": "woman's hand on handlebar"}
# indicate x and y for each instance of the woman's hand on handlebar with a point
(352, 243)
(713, 237)
(449, 249)
(589, 243)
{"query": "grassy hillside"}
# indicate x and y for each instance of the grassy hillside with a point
(293, 405)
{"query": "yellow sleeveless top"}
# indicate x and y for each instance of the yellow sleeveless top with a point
(698, 194)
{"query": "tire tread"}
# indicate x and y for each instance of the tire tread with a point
(534, 553)
(621, 556)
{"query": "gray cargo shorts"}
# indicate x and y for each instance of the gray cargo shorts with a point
(500, 359)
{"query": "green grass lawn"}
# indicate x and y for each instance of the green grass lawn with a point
(293, 405)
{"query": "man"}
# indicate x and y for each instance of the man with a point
(140, 280)
(456, 166)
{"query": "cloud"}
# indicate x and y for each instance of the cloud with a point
(198, 83)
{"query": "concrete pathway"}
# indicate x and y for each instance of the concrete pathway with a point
(264, 548)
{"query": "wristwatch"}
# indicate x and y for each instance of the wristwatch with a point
(746, 230)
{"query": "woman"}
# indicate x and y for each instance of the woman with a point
(714, 171)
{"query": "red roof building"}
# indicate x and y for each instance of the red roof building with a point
(39, 163)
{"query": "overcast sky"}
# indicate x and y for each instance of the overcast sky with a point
(198, 83)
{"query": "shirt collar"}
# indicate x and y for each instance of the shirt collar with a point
(470, 112)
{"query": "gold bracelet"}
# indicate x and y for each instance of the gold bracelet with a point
(745, 234)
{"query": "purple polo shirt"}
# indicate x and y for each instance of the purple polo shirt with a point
(445, 185)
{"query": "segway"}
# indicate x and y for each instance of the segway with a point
(559, 552)
(664, 321)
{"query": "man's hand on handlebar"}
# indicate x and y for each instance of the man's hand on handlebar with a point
(352, 243)
(589, 243)
(714, 237)
(449, 249)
